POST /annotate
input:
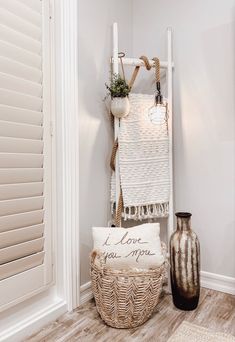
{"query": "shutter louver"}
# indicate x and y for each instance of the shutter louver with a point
(22, 140)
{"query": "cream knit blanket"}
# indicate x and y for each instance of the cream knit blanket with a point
(143, 163)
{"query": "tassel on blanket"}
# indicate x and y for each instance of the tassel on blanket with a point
(143, 212)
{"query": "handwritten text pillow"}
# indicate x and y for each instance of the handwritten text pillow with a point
(136, 247)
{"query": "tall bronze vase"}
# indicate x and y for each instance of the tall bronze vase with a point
(185, 264)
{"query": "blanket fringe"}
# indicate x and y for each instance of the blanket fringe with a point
(143, 212)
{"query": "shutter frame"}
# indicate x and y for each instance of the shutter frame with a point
(26, 246)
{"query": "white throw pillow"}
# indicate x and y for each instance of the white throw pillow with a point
(136, 247)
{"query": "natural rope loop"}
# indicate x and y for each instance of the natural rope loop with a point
(137, 68)
(118, 216)
(157, 69)
(146, 62)
(113, 155)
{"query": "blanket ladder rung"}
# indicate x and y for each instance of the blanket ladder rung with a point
(139, 62)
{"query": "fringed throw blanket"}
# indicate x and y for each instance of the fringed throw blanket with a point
(143, 163)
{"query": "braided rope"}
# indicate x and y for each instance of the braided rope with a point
(113, 155)
(111, 119)
(157, 69)
(118, 217)
(146, 62)
(137, 68)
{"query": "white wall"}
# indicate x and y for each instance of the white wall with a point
(204, 114)
(95, 48)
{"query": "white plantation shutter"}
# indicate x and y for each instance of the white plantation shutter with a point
(25, 150)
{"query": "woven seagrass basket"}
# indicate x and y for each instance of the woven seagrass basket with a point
(125, 298)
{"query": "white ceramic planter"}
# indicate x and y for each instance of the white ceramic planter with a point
(120, 107)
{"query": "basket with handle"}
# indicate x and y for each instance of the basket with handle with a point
(125, 298)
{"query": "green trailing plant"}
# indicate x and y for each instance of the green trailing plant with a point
(118, 87)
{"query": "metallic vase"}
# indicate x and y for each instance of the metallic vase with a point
(185, 264)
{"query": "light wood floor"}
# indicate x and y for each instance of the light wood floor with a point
(216, 311)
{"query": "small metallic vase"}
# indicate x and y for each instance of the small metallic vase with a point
(185, 264)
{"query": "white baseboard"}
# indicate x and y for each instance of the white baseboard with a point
(34, 322)
(86, 292)
(209, 280)
(218, 282)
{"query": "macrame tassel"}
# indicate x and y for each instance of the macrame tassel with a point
(139, 213)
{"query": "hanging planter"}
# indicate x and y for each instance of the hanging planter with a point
(119, 90)
(120, 107)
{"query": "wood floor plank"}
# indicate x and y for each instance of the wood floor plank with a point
(216, 311)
